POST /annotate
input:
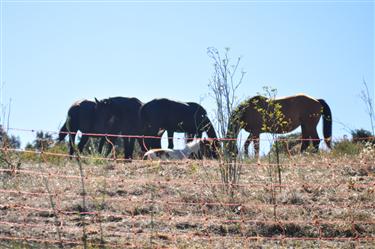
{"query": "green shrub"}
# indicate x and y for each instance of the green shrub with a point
(346, 147)
(362, 136)
(54, 154)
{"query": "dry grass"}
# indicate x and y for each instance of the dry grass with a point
(324, 201)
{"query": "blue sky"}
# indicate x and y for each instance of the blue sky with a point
(56, 52)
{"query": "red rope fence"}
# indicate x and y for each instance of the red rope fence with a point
(158, 137)
(169, 209)
(182, 162)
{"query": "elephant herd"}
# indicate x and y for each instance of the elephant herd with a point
(134, 120)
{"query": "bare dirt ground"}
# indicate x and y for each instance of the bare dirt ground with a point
(323, 201)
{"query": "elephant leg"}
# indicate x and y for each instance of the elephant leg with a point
(170, 139)
(152, 141)
(247, 144)
(305, 138)
(126, 147)
(129, 147)
(82, 143)
(72, 138)
(315, 140)
(305, 144)
(255, 139)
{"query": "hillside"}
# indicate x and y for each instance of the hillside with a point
(323, 201)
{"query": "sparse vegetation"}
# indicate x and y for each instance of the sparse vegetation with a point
(361, 141)
(223, 85)
(325, 200)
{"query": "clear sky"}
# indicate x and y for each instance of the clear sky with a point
(56, 52)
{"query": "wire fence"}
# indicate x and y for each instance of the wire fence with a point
(159, 137)
(322, 201)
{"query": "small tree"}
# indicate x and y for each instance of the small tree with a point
(362, 136)
(11, 141)
(42, 141)
(9, 160)
(223, 86)
(273, 120)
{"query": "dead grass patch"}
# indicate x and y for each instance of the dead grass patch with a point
(323, 201)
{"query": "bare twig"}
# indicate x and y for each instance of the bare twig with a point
(223, 85)
(51, 201)
(368, 101)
